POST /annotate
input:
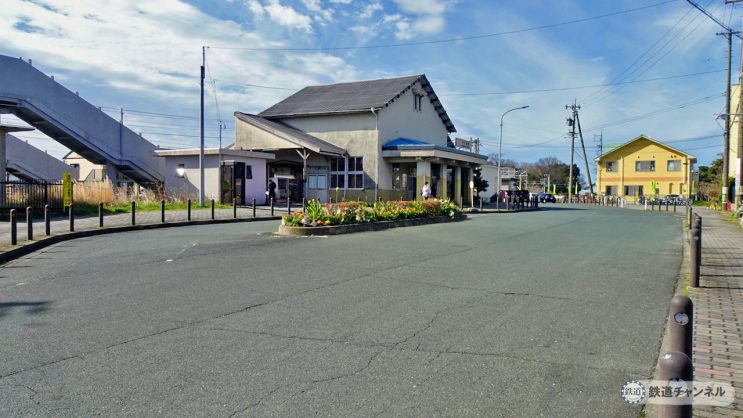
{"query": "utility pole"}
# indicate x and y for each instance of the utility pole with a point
(739, 114)
(585, 157)
(571, 123)
(201, 130)
(219, 177)
(726, 138)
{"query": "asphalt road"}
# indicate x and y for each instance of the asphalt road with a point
(528, 314)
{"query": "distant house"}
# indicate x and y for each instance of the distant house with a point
(377, 139)
(632, 170)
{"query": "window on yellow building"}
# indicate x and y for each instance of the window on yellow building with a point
(633, 190)
(644, 165)
(611, 166)
(611, 190)
(674, 165)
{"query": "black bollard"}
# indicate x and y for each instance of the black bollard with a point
(188, 210)
(271, 206)
(288, 206)
(212, 209)
(675, 366)
(29, 224)
(681, 325)
(254, 207)
(234, 208)
(13, 228)
(100, 214)
(72, 217)
(134, 212)
(694, 259)
(47, 221)
(162, 211)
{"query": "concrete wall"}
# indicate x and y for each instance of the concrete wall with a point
(34, 162)
(187, 186)
(356, 133)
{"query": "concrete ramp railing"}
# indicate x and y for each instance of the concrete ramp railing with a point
(63, 115)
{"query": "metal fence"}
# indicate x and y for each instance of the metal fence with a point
(20, 195)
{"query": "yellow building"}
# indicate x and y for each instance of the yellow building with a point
(736, 130)
(641, 165)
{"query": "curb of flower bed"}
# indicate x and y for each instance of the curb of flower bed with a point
(365, 227)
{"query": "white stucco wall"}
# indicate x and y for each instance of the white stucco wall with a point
(400, 119)
(356, 133)
(248, 136)
(187, 186)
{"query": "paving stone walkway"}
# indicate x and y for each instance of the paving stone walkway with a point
(718, 310)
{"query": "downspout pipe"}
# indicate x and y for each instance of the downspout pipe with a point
(379, 151)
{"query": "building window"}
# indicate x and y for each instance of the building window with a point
(418, 101)
(338, 173)
(317, 181)
(674, 165)
(356, 172)
(396, 177)
(611, 166)
(249, 172)
(611, 190)
(645, 166)
(633, 190)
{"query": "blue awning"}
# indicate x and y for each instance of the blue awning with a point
(406, 143)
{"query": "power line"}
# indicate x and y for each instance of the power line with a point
(709, 15)
(584, 87)
(621, 76)
(448, 40)
(648, 64)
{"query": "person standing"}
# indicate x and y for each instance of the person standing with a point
(426, 191)
(271, 191)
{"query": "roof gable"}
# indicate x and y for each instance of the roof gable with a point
(291, 135)
(645, 138)
(354, 97)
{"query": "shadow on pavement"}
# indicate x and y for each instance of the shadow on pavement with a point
(27, 308)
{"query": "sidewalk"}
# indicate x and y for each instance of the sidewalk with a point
(61, 225)
(718, 313)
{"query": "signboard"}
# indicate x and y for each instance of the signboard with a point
(462, 143)
(67, 188)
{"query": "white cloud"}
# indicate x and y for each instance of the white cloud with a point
(147, 55)
(321, 15)
(341, 1)
(369, 10)
(255, 7)
(288, 16)
(427, 17)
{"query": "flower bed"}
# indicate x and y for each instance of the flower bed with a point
(317, 214)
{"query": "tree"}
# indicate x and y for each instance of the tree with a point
(504, 162)
(480, 183)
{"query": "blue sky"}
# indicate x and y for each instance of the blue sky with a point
(145, 57)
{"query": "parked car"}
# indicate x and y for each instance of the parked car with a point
(547, 198)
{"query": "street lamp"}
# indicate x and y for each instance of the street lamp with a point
(500, 148)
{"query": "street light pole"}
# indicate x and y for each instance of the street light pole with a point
(500, 150)
(201, 130)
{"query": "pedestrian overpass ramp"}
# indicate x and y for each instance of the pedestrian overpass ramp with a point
(64, 116)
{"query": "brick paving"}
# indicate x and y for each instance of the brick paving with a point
(718, 310)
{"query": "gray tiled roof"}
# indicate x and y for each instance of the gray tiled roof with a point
(353, 97)
(295, 136)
